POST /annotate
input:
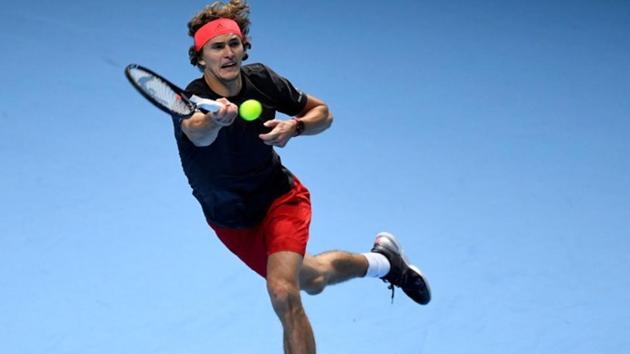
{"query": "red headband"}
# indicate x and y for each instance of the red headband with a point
(215, 28)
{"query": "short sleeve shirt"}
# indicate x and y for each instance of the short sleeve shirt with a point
(237, 177)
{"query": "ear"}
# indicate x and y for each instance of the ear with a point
(201, 62)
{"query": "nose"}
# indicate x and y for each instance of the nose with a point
(228, 52)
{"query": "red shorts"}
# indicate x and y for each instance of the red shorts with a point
(284, 228)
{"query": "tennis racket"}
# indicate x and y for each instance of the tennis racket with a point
(165, 95)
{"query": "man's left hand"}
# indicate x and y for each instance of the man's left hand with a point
(281, 132)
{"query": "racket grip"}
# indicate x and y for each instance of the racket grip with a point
(205, 104)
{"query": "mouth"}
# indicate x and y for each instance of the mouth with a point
(228, 65)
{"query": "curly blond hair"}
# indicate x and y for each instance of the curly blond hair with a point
(237, 10)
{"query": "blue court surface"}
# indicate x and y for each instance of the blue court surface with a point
(492, 137)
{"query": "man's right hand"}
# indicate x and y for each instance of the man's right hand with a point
(224, 116)
(202, 129)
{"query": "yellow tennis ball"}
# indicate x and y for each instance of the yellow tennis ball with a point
(250, 110)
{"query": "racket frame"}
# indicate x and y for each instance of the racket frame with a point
(178, 91)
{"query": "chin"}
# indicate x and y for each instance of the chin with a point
(231, 76)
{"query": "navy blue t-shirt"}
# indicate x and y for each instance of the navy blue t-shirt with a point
(237, 177)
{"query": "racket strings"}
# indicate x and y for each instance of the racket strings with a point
(160, 92)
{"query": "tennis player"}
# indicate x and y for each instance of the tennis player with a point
(255, 205)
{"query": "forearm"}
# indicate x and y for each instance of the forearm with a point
(316, 117)
(200, 129)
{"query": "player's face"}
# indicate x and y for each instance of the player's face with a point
(221, 57)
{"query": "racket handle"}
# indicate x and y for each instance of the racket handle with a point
(205, 104)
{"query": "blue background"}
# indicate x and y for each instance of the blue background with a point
(492, 137)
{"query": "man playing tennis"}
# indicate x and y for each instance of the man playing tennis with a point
(256, 206)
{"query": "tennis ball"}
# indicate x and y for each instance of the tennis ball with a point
(250, 110)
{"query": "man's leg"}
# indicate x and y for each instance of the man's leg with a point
(283, 269)
(330, 268)
(385, 261)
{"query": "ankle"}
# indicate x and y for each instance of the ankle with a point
(378, 265)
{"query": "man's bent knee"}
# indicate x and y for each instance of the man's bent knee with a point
(314, 285)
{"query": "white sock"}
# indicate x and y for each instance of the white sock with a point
(378, 265)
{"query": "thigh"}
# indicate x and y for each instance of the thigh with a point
(284, 266)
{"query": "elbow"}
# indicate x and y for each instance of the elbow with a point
(200, 142)
(328, 121)
(202, 139)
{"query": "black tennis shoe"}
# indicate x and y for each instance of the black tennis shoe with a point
(402, 274)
